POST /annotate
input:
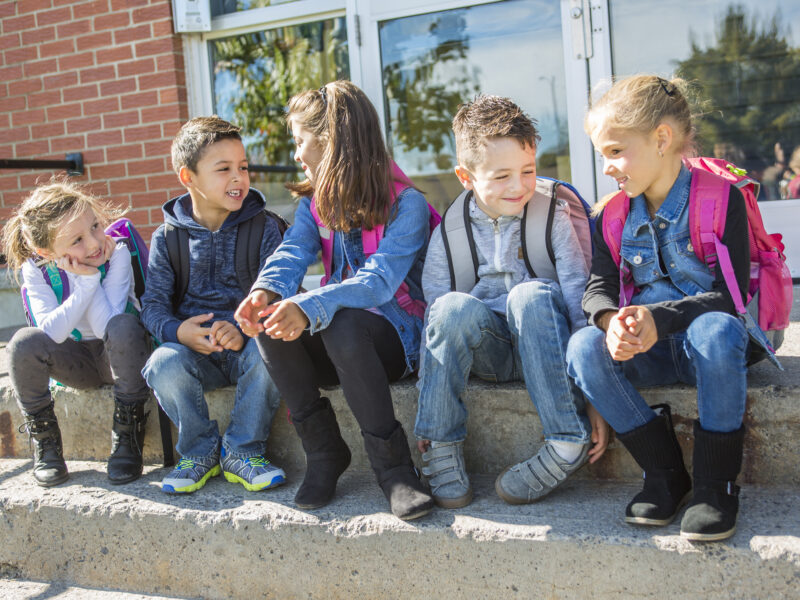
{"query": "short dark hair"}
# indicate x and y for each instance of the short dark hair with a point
(195, 136)
(486, 117)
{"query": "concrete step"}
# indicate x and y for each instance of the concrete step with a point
(224, 542)
(23, 589)
(503, 425)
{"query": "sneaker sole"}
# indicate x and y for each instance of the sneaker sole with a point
(169, 489)
(255, 487)
(660, 522)
(451, 503)
(708, 537)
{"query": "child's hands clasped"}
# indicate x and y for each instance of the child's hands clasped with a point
(205, 340)
(252, 310)
(285, 321)
(630, 331)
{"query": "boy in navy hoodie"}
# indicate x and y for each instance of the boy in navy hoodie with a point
(202, 348)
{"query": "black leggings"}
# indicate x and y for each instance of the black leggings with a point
(359, 350)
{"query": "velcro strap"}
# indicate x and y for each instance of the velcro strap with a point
(723, 487)
(542, 470)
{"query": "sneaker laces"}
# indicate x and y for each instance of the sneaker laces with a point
(257, 461)
(185, 463)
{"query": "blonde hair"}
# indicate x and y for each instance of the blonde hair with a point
(641, 103)
(36, 222)
(487, 117)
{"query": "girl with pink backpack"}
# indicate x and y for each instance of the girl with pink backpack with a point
(663, 313)
(362, 327)
(79, 293)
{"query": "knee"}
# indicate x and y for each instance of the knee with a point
(455, 307)
(346, 335)
(532, 295)
(125, 327)
(718, 337)
(585, 348)
(168, 365)
(27, 341)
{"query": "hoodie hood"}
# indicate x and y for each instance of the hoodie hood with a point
(178, 211)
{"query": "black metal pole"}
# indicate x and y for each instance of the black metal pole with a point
(73, 164)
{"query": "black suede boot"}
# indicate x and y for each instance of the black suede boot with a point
(127, 440)
(49, 468)
(711, 515)
(327, 457)
(666, 482)
(399, 480)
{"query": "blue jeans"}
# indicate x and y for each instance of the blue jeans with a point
(179, 377)
(463, 336)
(711, 354)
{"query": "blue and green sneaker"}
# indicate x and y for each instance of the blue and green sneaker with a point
(254, 472)
(188, 476)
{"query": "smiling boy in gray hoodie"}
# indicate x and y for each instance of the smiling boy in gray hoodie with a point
(510, 325)
(202, 348)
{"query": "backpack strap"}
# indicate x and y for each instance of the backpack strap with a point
(248, 246)
(177, 240)
(615, 214)
(537, 245)
(457, 233)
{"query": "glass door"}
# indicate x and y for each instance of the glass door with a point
(421, 61)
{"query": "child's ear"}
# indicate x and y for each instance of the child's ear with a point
(464, 177)
(45, 253)
(664, 137)
(185, 175)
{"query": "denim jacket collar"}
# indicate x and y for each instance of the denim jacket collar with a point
(672, 207)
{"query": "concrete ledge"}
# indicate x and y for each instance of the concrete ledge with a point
(223, 542)
(503, 429)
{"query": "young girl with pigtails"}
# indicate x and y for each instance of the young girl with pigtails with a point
(78, 283)
(361, 329)
(681, 323)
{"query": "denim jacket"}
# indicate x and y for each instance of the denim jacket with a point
(679, 273)
(356, 282)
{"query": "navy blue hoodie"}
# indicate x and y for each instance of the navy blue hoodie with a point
(213, 285)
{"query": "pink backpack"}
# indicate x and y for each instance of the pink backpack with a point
(769, 298)
(370, 240)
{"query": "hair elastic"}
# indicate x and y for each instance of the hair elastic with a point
(324, 95)
(667, 91)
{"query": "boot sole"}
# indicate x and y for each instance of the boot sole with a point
(660, 522)
(708, 537)
(416, 515)
(126, 480)
(55, 482)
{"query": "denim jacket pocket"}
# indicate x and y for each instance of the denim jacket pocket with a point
(641, 260)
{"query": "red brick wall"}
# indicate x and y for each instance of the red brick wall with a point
(101, 77)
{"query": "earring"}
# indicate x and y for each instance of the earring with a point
(661, 153)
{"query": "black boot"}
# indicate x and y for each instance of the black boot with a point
(327, 457)
(127, 440)
(399, 480)
(712, 512)
(666, 482)
(49, 468)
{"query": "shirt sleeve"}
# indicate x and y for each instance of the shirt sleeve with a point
(157, 312)
(58, 320)
(111, 296)
(571, 268)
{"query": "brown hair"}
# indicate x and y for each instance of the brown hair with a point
(352, 187)
(195, 136)
(36, 222)
(641, 103)
(490, 117)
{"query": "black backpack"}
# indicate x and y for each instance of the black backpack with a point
(247, 257)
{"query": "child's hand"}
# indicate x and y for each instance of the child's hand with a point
(109, 247)
(423, 446)
(227, 336)
(285, 321)
(639, 321)
(72, 265)
(600, 431)
(251, 310)
(199, 339)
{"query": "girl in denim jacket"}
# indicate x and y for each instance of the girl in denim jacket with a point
(351, 331)
(680, 325)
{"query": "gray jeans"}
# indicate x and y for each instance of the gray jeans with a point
(34, 358)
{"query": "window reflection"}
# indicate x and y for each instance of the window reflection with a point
(255, 74)
(433, 62)
(223, 7)
(742, 60)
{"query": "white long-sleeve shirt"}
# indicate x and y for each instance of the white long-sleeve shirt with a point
(90, 304)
